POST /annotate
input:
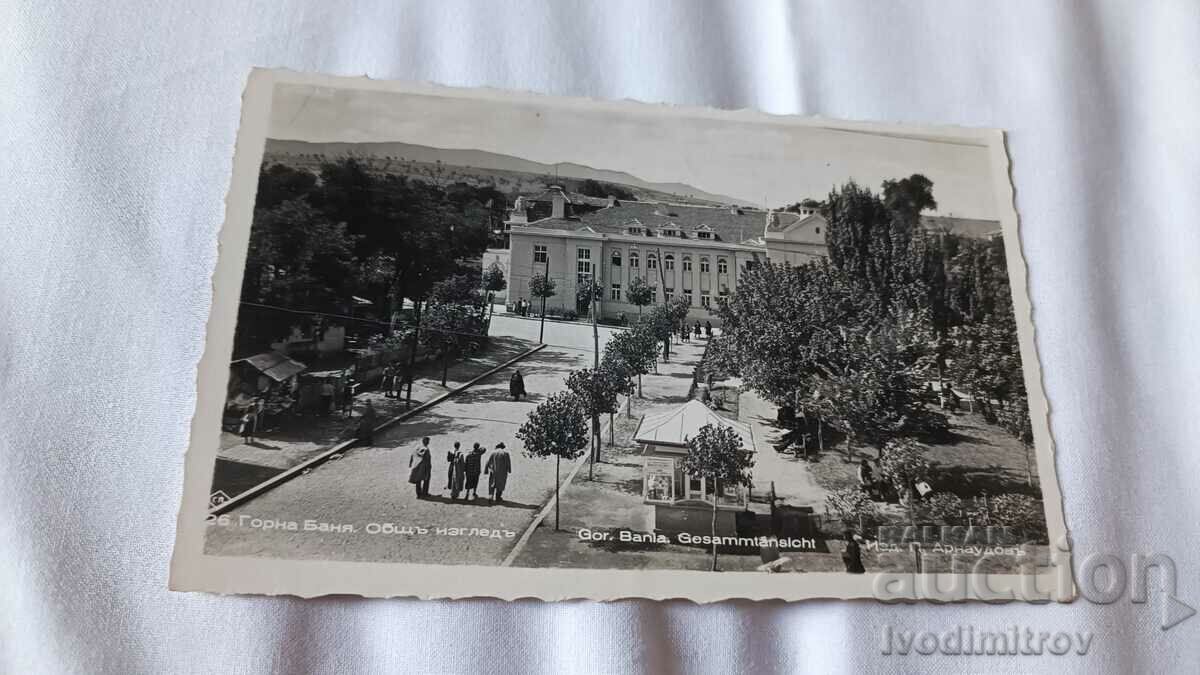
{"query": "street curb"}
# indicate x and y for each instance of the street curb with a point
(569, 323)
(291, 473)
(542, 515)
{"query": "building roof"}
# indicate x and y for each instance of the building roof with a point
(274, 365)
(728, 224)
(735, 225)
(677, 426)
(975, 228)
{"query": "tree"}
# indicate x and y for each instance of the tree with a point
(904, 465)
(448, 328)
(908, 197)
(556, 428)
(594, 188)
(716, 455)
(298, 261)
(869, 381)
(493, 282)
(598, 391)
(1014, 418)
(541, 286)
(417, 232)
(774, 322)
(640, 293)
(658, 324)
(587, 293)
(635, 349)
(459, 289)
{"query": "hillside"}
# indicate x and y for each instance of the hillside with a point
(507, 174)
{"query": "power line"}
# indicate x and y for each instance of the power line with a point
(425, 327)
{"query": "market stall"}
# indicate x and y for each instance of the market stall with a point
(681, 502)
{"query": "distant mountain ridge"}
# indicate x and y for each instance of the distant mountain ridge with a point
(481, 159)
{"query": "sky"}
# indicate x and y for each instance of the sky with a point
(768, 164)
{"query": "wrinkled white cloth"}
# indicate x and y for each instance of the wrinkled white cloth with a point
(117, 125)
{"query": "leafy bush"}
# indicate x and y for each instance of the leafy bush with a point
(1018, 512)
(946, 508)
(903, 464)
(854, 508)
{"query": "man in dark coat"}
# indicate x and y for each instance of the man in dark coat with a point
(367, 424)
(420, 467)
(852, 555)
(450, 454)
(499, 465)
(473, 464)
(516, 386)
(457, 471)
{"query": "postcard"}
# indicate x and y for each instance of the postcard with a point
(469, 342)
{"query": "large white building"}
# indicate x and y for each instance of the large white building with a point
(698, 252)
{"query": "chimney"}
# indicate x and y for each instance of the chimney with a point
(559, 200)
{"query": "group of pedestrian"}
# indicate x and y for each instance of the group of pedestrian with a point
(393, 380)
(521, 308)
(462, 470)
(686, 333)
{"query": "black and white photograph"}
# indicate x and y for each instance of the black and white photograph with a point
(510, 332)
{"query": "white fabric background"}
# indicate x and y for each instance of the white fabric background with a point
(117, 125)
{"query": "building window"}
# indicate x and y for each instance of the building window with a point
(704, 264)
(667, 295)
(633, 230)
(633, 259)
(616, 259)
(722, 266)
(616, 292)
(687, 295)
(704, 235)
(583, 260)
(651, 262)
(687, 263)
(705, 300)
(724, 291)
(818, 230)
(539, 253)
(669, 262)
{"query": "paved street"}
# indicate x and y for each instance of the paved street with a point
(572, 335)
(368, 485)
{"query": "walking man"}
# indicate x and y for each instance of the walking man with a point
(458, 467)
(246, 428)
(348, 397)
(367, 424)
(450, 464)
(516, 385)
(420, 468)
(499, 465)
(472, 465)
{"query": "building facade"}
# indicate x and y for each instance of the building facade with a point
(696, 252)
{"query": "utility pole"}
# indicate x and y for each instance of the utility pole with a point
(594, 290)
(542, 327)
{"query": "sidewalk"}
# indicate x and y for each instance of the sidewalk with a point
(794, 483)
(241, 465)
